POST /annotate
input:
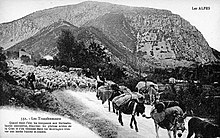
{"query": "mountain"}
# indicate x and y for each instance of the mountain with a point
(136, 35)
(45, 41)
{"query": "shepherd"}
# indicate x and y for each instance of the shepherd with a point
(31, 79)
(100, 78)
(149, 90)
(154, 95)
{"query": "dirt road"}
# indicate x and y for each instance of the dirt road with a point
(146, 126)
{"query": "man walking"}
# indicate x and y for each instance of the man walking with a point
(31, 79)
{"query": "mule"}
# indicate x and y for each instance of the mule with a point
(149, 90)
(130, 108)
(202, 128)
(144, 85)
(172, 120)
(107, 93)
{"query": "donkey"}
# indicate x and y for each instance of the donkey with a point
(202, 128)
(132, 108)
(171, 119)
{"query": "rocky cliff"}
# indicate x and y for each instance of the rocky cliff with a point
(44, 42)
(152, 36)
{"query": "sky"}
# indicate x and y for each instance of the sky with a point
(206, 21)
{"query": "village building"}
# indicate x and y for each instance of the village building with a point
(22, 52)
(48, 57)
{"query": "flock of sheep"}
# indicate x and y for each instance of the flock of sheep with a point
(50, 79)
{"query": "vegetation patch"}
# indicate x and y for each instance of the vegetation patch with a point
(87, 117)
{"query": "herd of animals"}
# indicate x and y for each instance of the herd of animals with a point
(49, 79)
(168, 115)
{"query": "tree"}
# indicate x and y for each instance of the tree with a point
(76, 54)
(3, 64)
(73, 53)
(43, 62)
(68, 48)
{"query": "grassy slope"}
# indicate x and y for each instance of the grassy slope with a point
(85, 116)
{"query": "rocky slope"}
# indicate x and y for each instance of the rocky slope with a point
(158, 37)
(45, 41)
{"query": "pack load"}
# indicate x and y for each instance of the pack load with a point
(125, 89)
(157, 116)
(125, 98)
(174, 110)
(103, 93)
(163, 110)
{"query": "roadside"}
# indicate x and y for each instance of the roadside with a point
(85, 116)
(92, 114)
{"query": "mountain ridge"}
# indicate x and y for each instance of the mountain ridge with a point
(157, 35)
(39, 19)
(45, 41)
